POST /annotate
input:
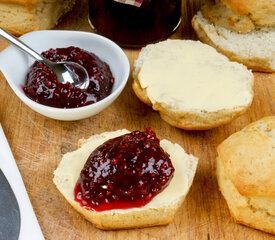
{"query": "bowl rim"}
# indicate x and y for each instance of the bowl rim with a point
(46, 108)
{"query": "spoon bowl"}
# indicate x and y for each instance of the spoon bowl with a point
(65, 72)
(71, 72)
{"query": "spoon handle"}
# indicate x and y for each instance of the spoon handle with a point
(20, 45)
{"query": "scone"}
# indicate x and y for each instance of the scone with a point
(246, 174)
(242, 30)
(192, 85)
(159, 210)
(22, 16)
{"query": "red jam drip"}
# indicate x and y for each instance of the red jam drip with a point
(124, 172)
(42, 85)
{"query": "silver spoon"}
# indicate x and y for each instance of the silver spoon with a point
(65, 71)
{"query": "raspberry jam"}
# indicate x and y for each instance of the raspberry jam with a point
(42, 85)
(124, 172)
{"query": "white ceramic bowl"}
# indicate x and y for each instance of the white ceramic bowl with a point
(15, 65)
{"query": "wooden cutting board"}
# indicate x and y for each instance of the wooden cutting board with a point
(38, 143)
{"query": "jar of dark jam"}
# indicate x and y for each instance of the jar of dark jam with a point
(135, 23)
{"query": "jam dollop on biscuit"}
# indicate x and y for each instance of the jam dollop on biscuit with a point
(124, 172)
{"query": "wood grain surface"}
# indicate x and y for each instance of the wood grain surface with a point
(38, 143)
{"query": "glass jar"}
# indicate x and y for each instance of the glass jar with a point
(136, 22)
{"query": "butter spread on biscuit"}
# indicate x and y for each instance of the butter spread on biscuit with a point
(189, 75)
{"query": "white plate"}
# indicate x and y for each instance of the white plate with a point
(15, 65)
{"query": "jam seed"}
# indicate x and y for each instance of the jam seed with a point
(100, 195)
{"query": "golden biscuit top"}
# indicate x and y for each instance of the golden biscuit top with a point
(27, 3)
(221, 15)
(262, 12)
(21, 2)
(248, 157)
